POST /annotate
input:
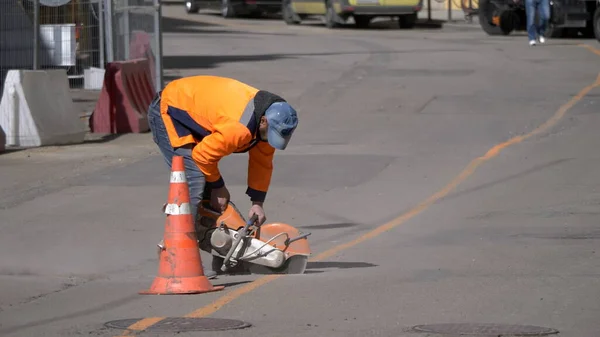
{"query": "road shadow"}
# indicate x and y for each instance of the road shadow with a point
(391, 24)
(260, 17)
(430, 24)
(95, 138)
(10, 150)
(311, 268)
(211, 61)
(330, 226)
(91, 138)
(230, 284)
(175, 25)
(339, 265)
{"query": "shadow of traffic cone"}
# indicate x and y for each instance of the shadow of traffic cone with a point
(180, 265)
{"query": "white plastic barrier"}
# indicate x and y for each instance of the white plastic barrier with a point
(37, 109)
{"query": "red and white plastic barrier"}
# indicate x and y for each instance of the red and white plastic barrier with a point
(123, 103)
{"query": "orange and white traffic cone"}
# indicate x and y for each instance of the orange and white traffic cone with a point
(180, 264)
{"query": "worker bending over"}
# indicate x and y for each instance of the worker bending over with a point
(204, 118)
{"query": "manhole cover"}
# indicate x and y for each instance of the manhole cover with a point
(495, 330)
(182, 324)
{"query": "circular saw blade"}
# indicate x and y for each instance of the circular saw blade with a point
(294, 265)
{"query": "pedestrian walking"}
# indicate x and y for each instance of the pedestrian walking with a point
(536, 31)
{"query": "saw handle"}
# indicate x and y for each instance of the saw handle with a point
(241, 234)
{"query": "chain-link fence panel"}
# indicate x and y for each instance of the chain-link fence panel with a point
(67, 34)
(137, 32)
(79, 36)
(16, 36)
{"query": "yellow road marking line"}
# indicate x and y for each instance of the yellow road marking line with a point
(218, 304)
(141, 325)
(590, 48)
(468, 171)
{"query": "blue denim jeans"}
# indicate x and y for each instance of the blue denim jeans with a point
(195, 177)
(542, 8)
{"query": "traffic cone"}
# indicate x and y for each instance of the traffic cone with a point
(180, 265)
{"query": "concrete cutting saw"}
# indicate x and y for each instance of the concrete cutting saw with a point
(272, 248)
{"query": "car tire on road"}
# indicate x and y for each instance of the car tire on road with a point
(227, 10)
(407, 21)
(362, 21)
(487, 10)
(191, 6)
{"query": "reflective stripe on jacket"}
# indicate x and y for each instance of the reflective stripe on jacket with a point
(221, 115)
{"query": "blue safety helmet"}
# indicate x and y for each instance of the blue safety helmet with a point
(283, 121)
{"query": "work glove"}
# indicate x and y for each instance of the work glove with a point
(219, 199)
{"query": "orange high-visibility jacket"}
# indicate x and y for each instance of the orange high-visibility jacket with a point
(221, 116)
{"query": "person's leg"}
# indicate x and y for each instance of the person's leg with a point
(530, 9)
(159, 132)
(195, 178)
(197, 186)
(544, 15)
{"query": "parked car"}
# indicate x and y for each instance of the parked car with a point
(336, 12)
(234, 8)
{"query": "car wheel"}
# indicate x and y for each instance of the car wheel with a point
(190, 6)
(362, 21)
(509, 20)
(407, 21)
(227, 10)
(487, 12)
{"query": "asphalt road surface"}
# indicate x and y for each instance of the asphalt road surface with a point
(446, 177)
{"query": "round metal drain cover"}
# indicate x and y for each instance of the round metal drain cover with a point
(183, 324)
(495, 330)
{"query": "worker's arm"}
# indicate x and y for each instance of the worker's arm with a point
(260, 169)
(223, 141)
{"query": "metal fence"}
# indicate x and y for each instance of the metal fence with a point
(80, 36)
(137, 33)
